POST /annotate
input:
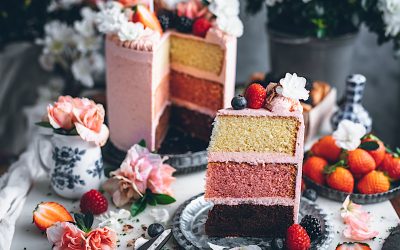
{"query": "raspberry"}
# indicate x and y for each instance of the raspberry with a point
(297, 238)
(201, 26)
(93, 202)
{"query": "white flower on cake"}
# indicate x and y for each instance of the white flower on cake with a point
(294, 87)
(230, 25)
(391, 16)
(348, 134)
(130, 31)
(110, 17)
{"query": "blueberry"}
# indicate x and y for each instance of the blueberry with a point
(310, 194)
(155, 229)
(238, 102)
(277, 243)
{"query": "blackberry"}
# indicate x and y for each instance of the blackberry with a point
(184, 24)
(166, 19)
(155, 229)
(310, 194)
(312, 226)
(238, 102)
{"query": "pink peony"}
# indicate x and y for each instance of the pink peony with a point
(60, 114)
(191, 9)
(101, 239)
(140, 170)
(65, 235)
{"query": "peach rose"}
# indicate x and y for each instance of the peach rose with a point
(101, 239)
(89, 121)
(122, 190)
(65, 235)
(160, 179)
(60, 114)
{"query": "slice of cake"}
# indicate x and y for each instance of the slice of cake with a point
(177, 77)
(255, 159)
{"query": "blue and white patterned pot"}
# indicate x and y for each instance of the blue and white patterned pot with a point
(74, 166)
(352, 109)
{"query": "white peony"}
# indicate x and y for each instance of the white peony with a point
(129, 31)
(224, 7)
(271, 3)
(294, 87)
(391, 16)
(230, 25)
(348, 134)
(110, 17)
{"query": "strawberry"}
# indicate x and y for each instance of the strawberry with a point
(93, 202)
(360, 162)
(255, 96)
(339, 178)
(374, 182)
(313, 168)
(391, 166)
(48, 213)
(353, 246)
(201, 26)
(326, 148)
(297, 238)
(147, 18)
(379, 153)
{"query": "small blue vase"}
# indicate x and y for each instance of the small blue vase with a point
(351, 109)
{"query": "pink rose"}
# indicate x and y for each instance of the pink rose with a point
(101, 239)
(122, 190)
(160, 179)
(60, 114)
(89, 121)
(65, 235)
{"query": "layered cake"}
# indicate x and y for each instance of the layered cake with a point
(255, 159)
(179, 75)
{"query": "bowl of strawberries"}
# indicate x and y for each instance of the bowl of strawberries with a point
(352, 163)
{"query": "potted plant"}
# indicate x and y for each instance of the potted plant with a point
(316, 38)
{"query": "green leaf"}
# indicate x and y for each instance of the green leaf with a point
(164, 199)
(369, 145)
(138, 206)
(142, 143)
(84, 221)
(44, 124)
(151, 200)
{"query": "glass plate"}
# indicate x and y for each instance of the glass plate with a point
(190, 218)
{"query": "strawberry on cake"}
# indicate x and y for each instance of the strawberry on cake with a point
(174, 66)
(255, 159)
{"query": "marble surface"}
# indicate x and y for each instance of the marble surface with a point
(28, 237)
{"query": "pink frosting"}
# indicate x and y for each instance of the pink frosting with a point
(144, 43)
(267, 201)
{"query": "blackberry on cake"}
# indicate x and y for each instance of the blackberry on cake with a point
(166, 19)
(184, 24)
(312, 226)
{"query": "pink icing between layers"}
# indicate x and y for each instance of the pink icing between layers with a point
(265, 158)
(267, 201)
(192, 106)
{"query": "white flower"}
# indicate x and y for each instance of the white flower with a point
(348, 134)
(85, 67)
(391, 16)
(62, 4)
(111, 219)
(110, 17)
(58, 36)
(224, 7)
(230, 25)
(160, 215)
(130, 31)
(271, 3)
(294, 87)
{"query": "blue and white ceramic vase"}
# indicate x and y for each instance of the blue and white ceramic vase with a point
(352, 109)
(74, 165)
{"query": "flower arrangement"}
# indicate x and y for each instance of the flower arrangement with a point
(79, 235)
(72, 45)
(77, 116)
(143, 177)
(326, 19)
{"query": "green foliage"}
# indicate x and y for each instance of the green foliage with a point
(151, 199)
(84, 221)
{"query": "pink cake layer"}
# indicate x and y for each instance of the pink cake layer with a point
(243, 180)
(267, 201)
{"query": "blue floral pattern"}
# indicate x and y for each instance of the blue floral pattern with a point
(63, 175)
(97, 170)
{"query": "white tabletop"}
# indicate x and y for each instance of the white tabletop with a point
(27, 236)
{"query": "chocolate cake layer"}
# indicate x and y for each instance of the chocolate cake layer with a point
(244, 180)
(162, 127)
(201, 92)
(247, 220)
(197, 124)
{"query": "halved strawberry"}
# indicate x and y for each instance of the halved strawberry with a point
(48, 213)
(353, 246)
(147, 18)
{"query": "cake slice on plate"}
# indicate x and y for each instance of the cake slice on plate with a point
(255, 160)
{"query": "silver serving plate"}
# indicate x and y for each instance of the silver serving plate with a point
(189, 220)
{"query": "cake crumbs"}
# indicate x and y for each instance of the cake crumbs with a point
(127, 228)
(144, 227)
(130, 243)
